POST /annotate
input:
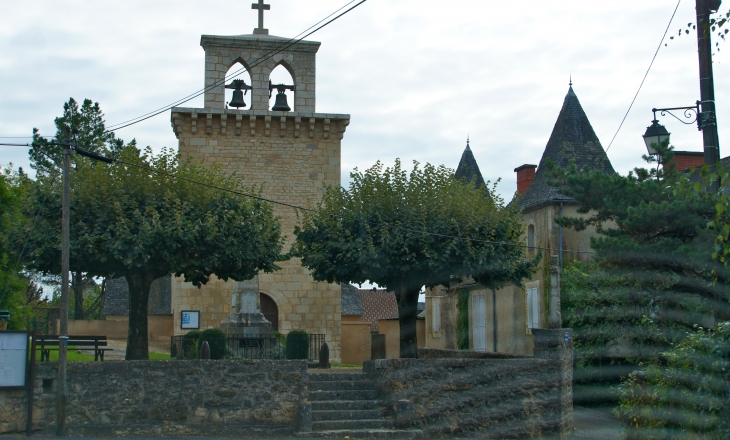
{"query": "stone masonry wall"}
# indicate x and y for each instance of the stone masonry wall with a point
(293, 155)
(253, 52)
(167, 398)
(496, 396)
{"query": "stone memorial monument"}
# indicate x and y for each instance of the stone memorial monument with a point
(246, 319)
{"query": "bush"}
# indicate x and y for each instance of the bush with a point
(190, 344)
(217, 342)
(684, 394)
(297, 345)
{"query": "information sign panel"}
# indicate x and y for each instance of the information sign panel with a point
(13, 358)
(190, 319)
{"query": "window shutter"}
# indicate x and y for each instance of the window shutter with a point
(436, 315)
(480, 323)
(533, 308)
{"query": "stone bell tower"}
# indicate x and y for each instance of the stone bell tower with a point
(291, 153)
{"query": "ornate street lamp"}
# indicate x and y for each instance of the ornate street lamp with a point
(655, 135)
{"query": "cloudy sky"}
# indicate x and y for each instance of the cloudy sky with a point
(417, 76)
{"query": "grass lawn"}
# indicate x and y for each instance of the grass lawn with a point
(335, 364)
(75, 356)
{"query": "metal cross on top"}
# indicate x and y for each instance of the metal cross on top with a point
(261, 6)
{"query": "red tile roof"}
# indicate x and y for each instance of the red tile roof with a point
(377, 305)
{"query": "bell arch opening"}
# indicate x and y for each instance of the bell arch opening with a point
(238, 70)
(282, 74)
(270, 310)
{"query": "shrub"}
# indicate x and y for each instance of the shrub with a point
(190, 344)
(217, 342)
(684, 394)
(297, 345)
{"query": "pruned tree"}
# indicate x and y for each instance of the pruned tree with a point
(406, 230)
(146, 217)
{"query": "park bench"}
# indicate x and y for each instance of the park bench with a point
(97, 343)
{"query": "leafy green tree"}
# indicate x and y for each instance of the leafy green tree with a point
(144, 218)
(86, 123)
(653, 276)
(12, 284)
(89, 132)
(373, 231)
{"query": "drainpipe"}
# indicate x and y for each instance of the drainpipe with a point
(560, 235)
(494, 318)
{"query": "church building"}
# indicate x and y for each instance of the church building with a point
(291, 152)
(502, 320)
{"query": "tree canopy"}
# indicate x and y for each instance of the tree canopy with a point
(405, 230)
(653, 278)
(144, 218)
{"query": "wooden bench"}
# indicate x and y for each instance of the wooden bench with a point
(97, 343)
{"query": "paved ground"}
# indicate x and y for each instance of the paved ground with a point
(589, 424)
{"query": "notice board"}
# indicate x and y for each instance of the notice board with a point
(13, 358)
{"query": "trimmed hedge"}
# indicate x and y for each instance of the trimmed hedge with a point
(297, 345)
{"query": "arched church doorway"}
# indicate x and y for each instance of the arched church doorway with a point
(270, 310)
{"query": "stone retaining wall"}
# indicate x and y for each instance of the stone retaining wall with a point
(165, 398)
(447, 392)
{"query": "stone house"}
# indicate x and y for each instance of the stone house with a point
(116, 309)
(502, 320)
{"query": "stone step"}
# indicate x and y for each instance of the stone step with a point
(343, 385)
(342, 405)
(317, 396)
(328, 425)
(351, 414)
(356, 434)
(334, 377)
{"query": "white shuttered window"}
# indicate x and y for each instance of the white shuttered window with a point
(533, 308)
(436, 315)
(479, 330)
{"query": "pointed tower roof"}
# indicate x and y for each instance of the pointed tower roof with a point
(468, 167)
(572, 139)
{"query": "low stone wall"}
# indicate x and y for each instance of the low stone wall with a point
(446, 392)
(221, 398)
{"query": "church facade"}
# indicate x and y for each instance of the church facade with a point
(291, 154)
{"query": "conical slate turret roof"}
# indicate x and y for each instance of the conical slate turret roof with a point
(573, 139)
(468, 167)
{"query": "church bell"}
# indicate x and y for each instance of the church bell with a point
(239, 87)
(281, 104)
(237, 100)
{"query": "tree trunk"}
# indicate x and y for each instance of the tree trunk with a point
(139, 292)
(407, 310)
(77, 284)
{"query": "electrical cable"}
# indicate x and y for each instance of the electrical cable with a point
(301, 208)
(190, 97)
(645, 75)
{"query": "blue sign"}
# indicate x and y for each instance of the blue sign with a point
(567, 337)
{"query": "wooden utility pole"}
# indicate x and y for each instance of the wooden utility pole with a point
(63, 331)
(708, 117)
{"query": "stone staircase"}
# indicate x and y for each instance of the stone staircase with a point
(346, 404)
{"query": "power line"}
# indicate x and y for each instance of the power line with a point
(190, 97)
(301, 208)
(645, 75)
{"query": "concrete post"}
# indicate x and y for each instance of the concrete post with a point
(556, 320)
(556, 345)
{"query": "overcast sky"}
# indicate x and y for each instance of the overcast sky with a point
(417, 76)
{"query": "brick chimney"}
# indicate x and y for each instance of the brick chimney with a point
(525, 175)
(686, 160)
